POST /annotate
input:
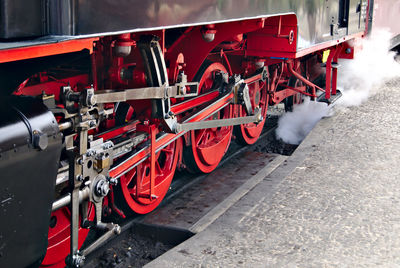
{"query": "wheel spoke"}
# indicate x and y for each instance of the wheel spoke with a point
(159, 170)
(130, 176)
(200, 135)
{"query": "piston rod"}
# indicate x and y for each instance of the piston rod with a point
(66, 199)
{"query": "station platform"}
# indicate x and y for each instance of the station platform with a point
(334, 202)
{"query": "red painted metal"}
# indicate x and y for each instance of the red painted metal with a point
(253, 79)
(36, 51)
(328, 74)
(190, 104)
(302, 90)
(50, 85)
(278, 36)
(301, 78)
(195, 48)
(303, 52)
(331, 73)
(59, 237)
(223, 55)
(209, 145)
(145, 186)
(335, 70)
(118, 131)
(281, 81)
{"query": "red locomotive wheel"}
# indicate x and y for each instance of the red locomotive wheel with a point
(135, 184)
(58, 246)
(249, 133)
(208, 146)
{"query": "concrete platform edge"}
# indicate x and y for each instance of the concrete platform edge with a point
(287, 164)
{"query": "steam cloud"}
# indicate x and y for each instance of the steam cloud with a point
(294, 126)
(358, 79)
(374, 64)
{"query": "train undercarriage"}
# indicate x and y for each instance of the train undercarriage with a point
(124, 111)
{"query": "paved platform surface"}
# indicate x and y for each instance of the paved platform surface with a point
(334, 203)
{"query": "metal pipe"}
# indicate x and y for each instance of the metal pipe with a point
(66, 199)
(301, 78)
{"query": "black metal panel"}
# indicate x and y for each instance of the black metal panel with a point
(20, 18)
(27, 178)
(86, 17)
(318, 21)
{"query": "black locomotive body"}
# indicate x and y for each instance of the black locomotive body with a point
(318, 21)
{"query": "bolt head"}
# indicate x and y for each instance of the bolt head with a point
(40, 140)
(113, 181)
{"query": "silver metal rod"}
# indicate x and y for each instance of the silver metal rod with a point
(62, 177)
(114, 229)
(220, 122)
(64, 126)
(133, 94)
(66, 199)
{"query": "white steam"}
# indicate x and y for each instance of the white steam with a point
(358, 79)
(373, 65)
(294, 126)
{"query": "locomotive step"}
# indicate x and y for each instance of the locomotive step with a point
(331, 100)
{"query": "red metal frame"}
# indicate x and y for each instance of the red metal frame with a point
(195, 48)
(42, 50)
(331, 72)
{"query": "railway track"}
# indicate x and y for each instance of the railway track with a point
(193, 202)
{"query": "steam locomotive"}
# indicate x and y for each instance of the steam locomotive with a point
(101, 101)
